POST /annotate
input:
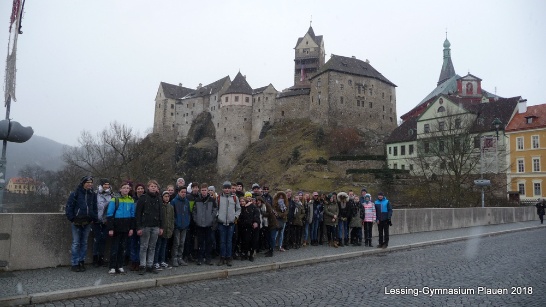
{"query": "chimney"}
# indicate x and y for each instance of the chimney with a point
(522, 106)
(367, 61)
(200, 85)
(180, 84)
(353, 57)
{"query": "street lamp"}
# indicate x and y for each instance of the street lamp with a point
(498, 125)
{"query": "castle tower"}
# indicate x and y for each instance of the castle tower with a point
(309, 57)
(448, 70)
(234, 123)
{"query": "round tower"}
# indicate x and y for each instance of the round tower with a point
(235, 123)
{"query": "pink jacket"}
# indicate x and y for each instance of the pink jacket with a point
(369, 212)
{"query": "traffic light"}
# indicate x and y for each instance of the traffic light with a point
(12, 131)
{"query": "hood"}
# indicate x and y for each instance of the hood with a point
(101, 190)
(278, 195)
(342, 196)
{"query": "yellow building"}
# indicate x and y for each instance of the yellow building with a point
(527, 137)
(21, 185)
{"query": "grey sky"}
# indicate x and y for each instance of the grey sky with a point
(84, 64)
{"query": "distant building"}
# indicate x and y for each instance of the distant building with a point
(21, 185)
(344, 91)
(526, 132)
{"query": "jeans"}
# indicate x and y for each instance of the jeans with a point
(368, 230)
(314, 230)
(203, 240)
(117, 249)
(160, 248)
(99, 238)
(80, 234)
(358, 233)
(331, 232)
(226, 239)
(134, 247)
(178, 243)
(306, 231)
(148, 241)
(272, 238)
(343, 230)
(280, 232)
(383, 228)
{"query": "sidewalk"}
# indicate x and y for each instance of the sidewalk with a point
(43, 285)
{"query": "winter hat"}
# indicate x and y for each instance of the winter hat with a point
(165, 192)
(239, 183)
(380, 194)
(364, 190)
(85, 179)
(367, 196)
(104, 181)
(212, 188)
(255, 186)
(248, 194)
(226, 184)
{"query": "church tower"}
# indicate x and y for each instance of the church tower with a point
(448, 70)
(309, 57)
(234, 123)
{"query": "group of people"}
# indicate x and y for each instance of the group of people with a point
(153, 230)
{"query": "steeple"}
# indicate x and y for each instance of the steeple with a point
(448, 70)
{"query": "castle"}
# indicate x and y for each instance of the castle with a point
(344, 91)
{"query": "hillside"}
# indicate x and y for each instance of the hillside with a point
(38, 150)
(294, 154)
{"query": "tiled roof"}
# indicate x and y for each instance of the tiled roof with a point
(214, 87)
(519, 122)
(294, 92)
(502, 108)
(402, 132)
(239, 86)
(174, 91)
(24, 180)
(351, 66)
(259, 90)
(316, 38)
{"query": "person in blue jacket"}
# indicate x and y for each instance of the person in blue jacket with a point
(81, 211)
(182, 218)
(383, 211)
(121, 224)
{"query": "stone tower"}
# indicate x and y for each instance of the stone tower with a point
(234, 123)
(309, 57)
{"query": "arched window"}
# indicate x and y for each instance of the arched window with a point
(469, 88)
(441, 109)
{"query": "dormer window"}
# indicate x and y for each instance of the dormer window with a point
(529, 119)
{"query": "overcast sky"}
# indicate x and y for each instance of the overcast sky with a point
(84, 64)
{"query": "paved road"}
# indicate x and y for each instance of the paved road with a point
(513, 262)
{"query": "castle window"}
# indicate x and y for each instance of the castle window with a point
(318, 82)
(172, 114)
(371, 104)
(227, 99)
(253, 99)
(390, 98)
(391, 110)
(172, 106)
(236, 98)
(350, 82)
(341, 99)
(358, 103)
(391, 119)
(383, 108)
(218, 125)
(258, 110)
(194, 104)
(371, 91)
(245, 119)
(247, 99)
(282, 113)
(266, 98)
(258, 99)
(159, 106)
(341, 86)
(359, 88)
(224, 129)
(383, 95)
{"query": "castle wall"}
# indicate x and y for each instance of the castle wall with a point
(164, 114)
(347, 105)
(291, 107)
(186, 111)
(233, 133)
(263, 108)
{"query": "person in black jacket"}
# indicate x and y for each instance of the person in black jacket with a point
(541, 206)
(249, 225)
(81, 211)
(149, 225)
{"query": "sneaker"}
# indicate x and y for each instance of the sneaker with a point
(282, 250)
(174, 263)
(82, 266)
(164, 265)
(121, 271)
(182, 262)
(141, 270)
(251, 258)
(75, 268)
(112, 271)
(157, 267)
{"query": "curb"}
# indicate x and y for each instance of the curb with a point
(45, 297)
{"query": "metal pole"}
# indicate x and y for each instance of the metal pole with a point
(3, 160)
(483, 197)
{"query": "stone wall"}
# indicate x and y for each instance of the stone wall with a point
(33, 241)
(291, 107)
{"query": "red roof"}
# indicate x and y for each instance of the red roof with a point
(24, 180)
(536, 113)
